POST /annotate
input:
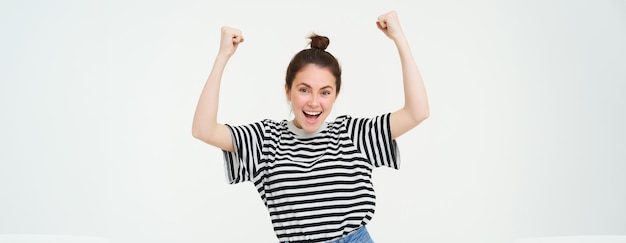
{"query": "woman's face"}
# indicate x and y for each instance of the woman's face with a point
(312, 96)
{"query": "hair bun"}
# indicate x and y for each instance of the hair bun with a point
(319, 42)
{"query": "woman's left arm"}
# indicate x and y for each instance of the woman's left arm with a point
(415, 108)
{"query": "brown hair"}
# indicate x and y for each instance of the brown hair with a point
(317, 55)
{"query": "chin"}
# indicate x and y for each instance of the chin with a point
(311, 128)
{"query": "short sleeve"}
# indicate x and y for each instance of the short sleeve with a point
(242, 164)
(372, 136)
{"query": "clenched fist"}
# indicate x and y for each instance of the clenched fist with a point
(231, 38)
(389, 24)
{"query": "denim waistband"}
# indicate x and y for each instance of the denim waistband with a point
(358, 236)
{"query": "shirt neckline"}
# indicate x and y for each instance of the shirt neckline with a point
(292, 128)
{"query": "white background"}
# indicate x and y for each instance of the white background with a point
(526, 136)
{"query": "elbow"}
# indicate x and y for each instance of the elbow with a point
(425, 115)
(417, 112)
(204, 134)
(198, 133)
(194, 133)
(420, 116)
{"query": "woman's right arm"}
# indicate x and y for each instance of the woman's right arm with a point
(205, 126)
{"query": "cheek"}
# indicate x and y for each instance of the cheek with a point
(328, 103)
(297, 101)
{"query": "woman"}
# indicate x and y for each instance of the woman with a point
(313, 176)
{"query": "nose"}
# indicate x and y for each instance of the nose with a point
(314, 101)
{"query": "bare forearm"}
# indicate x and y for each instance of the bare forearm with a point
(415, 108)
(415, 98)
(205, 118)
(205, 126)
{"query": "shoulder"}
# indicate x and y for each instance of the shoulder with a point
(273, 123)
(273, 127)
(347, 118)
(266, 125)
(348, 121)
(341, 123)
(340, 120)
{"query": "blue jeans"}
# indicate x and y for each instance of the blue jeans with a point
(358, 236)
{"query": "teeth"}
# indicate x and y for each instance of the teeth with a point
(312, 113)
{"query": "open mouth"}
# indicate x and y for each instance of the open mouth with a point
(312, 116)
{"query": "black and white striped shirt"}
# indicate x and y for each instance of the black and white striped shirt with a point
(316, 187)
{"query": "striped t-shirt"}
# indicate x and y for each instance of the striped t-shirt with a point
(316, 187)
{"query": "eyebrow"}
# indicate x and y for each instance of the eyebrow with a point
(309, 86)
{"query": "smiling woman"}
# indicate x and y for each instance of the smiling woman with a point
(313, 97)
(316, 76)
(313, 176)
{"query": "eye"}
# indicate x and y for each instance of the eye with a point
(303, 90)
(325, 92)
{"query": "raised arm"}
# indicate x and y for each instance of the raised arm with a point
(205, 126)
(415, 108)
